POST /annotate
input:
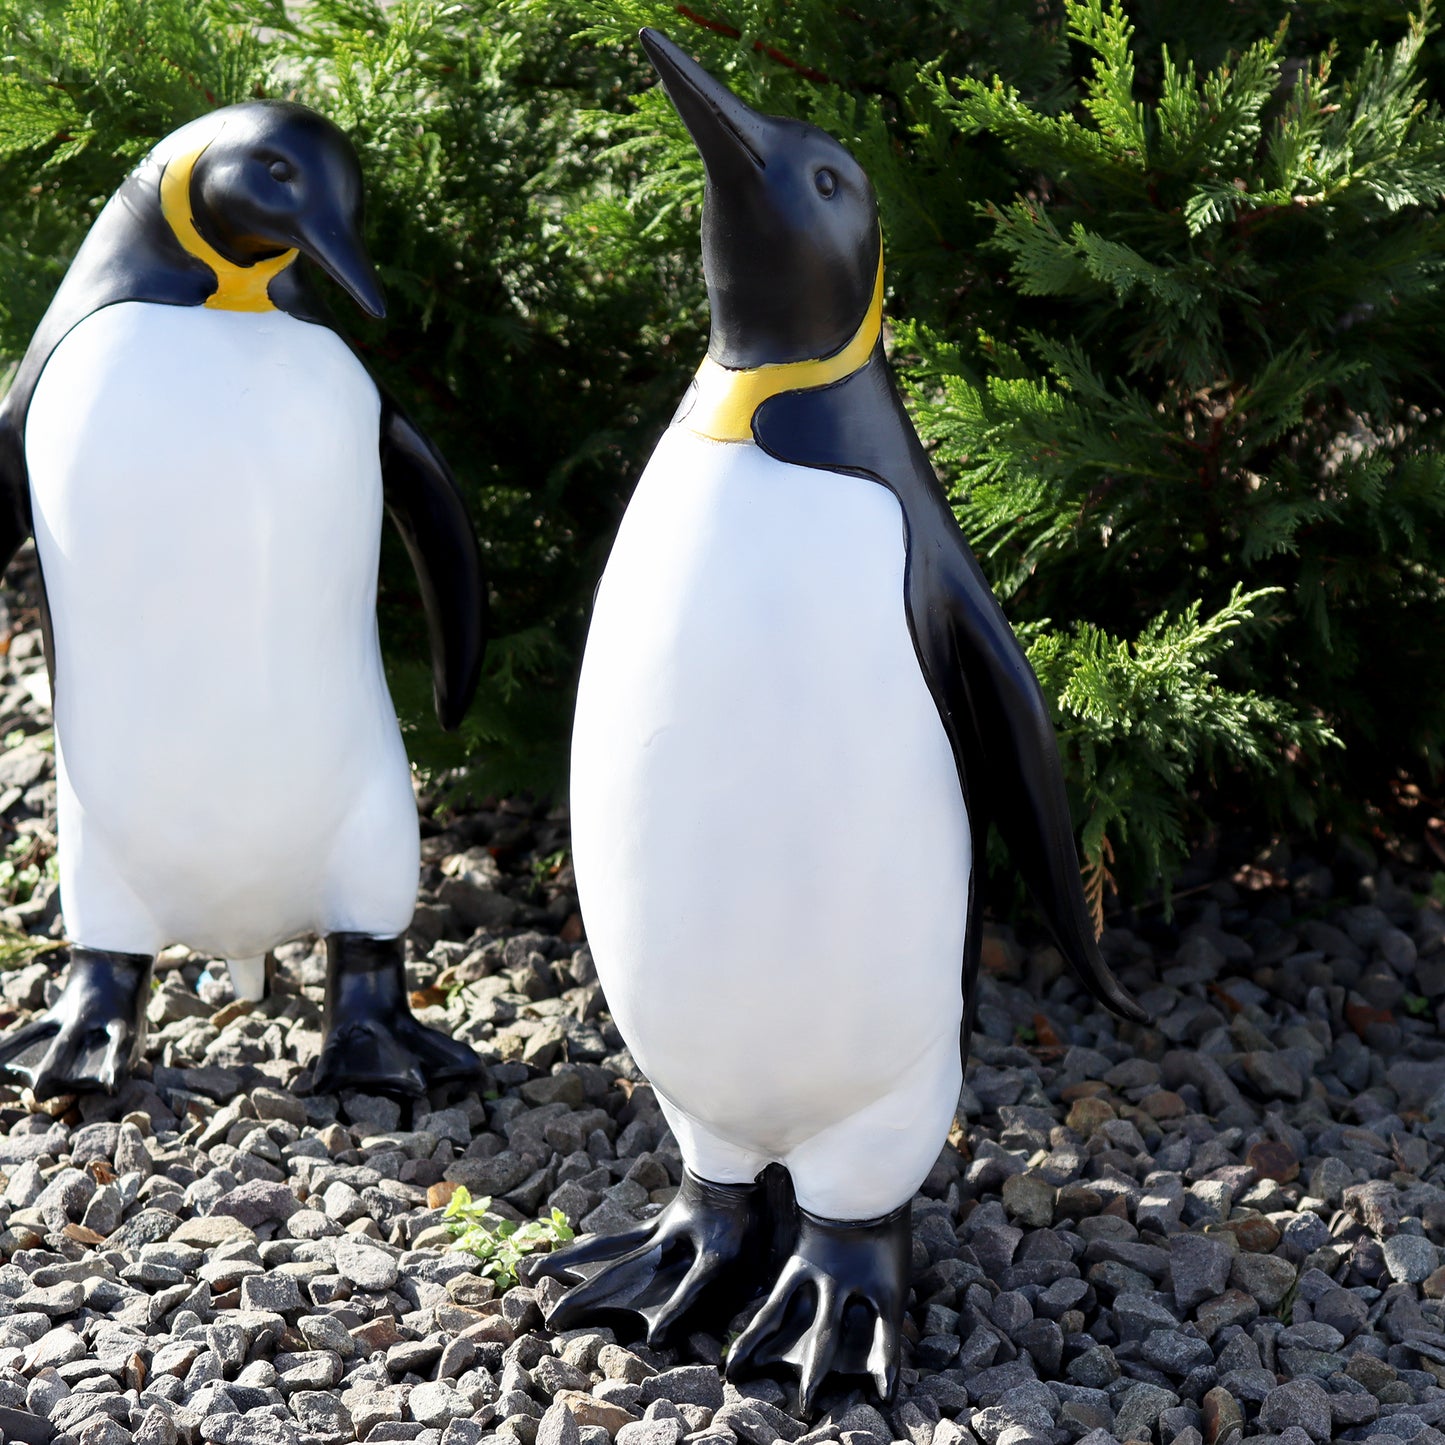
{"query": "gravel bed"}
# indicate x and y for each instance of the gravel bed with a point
(1227, 1226)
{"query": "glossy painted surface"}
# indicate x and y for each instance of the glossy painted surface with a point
(207, 497)
(837, 1304)
(789, 223)
(800, 706)
(205, 463)
(92, 1037)
(710, 1240)
(771, 845)
(372, 1041)
(242, 212)
(988, 698)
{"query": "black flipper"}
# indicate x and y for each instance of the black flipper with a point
(705, 1248)
(837, 1305)
(428, 511)
(371, 1039)
(15, 524)
(93, 1036)
(987, 695)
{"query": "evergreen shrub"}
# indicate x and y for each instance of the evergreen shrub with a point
(1164, 289)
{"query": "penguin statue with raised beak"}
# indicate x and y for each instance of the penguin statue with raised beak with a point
(799, 707)
(204, 464)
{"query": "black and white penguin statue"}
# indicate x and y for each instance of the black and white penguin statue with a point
(204, 463)
(799, 706)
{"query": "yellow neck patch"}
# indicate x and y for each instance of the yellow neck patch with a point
(238, 288)
(726, 400)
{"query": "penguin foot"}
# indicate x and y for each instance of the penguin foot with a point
(837, 1305)
(372, 1041)
(90, 1041)
(708, 1240)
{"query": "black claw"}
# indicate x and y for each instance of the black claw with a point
(837, 1306)
(372, 1041)
(704, 1249)
(594, 1249)
(25, 1039)
(90, 1041)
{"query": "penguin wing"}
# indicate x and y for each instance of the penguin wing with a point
(428, 511)
(988, 698)
(15, 520)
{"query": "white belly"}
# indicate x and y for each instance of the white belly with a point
(207, 498)
(769, 834)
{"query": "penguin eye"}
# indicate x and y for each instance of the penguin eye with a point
(281, 170)
(826, 182)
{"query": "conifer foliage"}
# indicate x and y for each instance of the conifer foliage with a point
(1164, 288)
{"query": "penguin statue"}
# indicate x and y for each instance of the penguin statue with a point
(204, 463)
(799, 706)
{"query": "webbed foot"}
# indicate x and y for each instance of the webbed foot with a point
(837, 1305)
(90, 1040)
(709, 1240)
(372, 1041)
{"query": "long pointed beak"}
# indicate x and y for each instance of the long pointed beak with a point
(727, 133)
(333, 241)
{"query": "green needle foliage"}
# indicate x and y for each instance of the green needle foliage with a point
(1164, 289)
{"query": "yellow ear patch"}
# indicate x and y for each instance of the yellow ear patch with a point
(726, 400)
(238, 288)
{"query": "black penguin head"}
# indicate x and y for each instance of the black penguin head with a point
(278, 176)
(789, 228)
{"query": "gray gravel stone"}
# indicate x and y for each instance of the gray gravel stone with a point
(1410, 1258)
(651, 1432)
(1299, 1402)
(365, 1266)
(558, 1427)
(1174, 1352)
(156, 1427)
(103, 1431)
(1140, 1407)
(321, 1414)
(257, 1202)
(254, 1428)
(1198, 1269)
(57, 1301)
(1264, 1277)
(277, 1293)
(686, 1385)
(437, 1403)
(274, 1261)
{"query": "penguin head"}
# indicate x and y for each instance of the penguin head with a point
(790, 238)
(277, 176)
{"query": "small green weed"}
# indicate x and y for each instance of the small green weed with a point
(1285, 1309)
(17, 948)
(501, 1244)
(547, 865)
(44, 740)
(1417, 1005)
(27, 860)
(544, 869)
